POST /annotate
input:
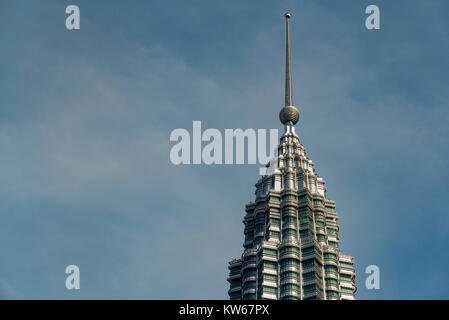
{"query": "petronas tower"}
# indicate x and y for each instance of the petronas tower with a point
(291, 246)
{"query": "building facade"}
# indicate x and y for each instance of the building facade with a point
(291, 246)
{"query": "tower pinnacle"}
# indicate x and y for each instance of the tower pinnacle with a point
(289, 115)
(291, 243)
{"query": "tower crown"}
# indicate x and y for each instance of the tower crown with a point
(291, 243)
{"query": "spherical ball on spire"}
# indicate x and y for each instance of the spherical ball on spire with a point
(289, 115)
(287, 15)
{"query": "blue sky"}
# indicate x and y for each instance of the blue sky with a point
(85, 119)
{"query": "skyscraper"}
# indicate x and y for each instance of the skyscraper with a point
(291, 246)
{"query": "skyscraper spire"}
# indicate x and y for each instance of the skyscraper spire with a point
(291, 243)
(289, 115)
(288, 72)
